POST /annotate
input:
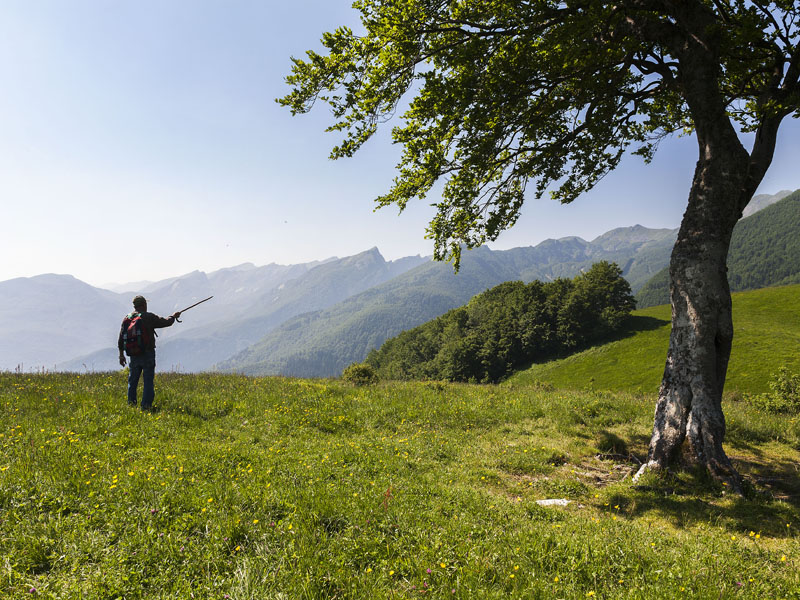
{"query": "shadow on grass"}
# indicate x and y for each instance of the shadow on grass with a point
(633, 325)
(780, 478)
(690, 497)
(633, 449)
(633, 444)
(637, 323)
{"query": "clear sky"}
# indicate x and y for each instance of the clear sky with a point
(141, 140)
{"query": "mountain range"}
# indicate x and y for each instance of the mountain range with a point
(308, 319)
(248, 302)
(322, 343)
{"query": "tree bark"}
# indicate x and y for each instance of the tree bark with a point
(689, 406)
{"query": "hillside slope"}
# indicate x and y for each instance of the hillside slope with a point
(321, 343)
(767, 336)
(764, 251)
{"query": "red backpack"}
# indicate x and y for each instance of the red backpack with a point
(135, 336)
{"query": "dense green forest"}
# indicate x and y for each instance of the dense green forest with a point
(764, 251)
(508, 326)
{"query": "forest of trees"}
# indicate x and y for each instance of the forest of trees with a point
(509, 326)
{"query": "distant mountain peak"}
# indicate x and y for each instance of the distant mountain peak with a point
(762, 201)
(52, 277)
(629, 237)
(373, 254)
(569, 238)
(246, 266)
(120, 288)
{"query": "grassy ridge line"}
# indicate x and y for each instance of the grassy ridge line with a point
(767, 336)
(278, 488)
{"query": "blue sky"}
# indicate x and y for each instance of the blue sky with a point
(141, 140)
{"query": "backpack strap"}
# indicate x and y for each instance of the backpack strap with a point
(155, 333)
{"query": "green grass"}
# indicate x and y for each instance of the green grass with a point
(280, 488)
(767, 336)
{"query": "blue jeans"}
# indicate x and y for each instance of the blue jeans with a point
(142, 364)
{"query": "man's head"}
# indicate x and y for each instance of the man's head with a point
(139, 303)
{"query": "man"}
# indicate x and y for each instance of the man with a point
(142, 352)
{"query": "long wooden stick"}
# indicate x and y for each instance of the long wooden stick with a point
(196, 303)
(193, 305)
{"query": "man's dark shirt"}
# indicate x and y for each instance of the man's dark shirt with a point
(151, 322)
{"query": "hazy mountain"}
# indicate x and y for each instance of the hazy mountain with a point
(652, 252)
(762, 201)
(343, 306)
(58, 321)
(638, 250)
(47, 317)
(123, 288)
(323, 286)
(235, 289)
(321, 343)
(764, 251)
(240, 319)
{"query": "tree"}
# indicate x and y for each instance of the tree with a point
(504, 93)
(598, 304)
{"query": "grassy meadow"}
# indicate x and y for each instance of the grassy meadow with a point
(278, 488)
(767, 336)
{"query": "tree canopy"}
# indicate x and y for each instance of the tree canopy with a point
(509, 92)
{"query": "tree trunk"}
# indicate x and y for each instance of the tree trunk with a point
(689, 407)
